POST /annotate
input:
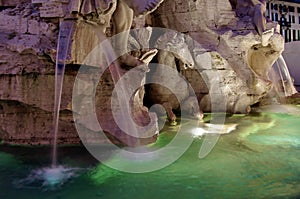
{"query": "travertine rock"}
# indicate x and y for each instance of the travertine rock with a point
(261, 58)
(27, 56)
(224, 53)
(226, 59)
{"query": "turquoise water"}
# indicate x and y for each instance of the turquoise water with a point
(260, 159)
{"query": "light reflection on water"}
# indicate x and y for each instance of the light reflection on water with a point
(48, 178)
(259, 158)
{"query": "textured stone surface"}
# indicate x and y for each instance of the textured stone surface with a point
(52, 9)
(27, 65)
(227, 56)
(227, 65)
(11, 3)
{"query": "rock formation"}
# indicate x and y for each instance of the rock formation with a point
(227, 50)
(31, 32)
(221, 51)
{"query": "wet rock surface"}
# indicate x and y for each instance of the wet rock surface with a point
(223, 54)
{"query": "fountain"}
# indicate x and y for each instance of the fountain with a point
(55, 176)
(48, 178)
(286, 80)
(225, 50)
(63, 43)
(225, 60)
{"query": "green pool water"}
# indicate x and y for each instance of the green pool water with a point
(260, 159)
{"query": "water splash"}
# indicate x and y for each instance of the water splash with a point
(48, 178)
(64, 37)
(285, 77)
(54, 176)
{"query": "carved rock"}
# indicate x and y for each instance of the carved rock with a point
(226, 56)
(27, 56)
(223, 53)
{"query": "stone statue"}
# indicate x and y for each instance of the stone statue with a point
(176, 54)
(255, 9)
(262, 58)
(123, 12)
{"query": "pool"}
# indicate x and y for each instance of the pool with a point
(259, 158)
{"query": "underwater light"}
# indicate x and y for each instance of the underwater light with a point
(208, 128)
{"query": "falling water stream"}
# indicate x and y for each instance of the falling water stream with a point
(64, 37)
(285, 77)
(56, 175)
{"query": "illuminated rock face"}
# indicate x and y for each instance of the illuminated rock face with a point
(227, 47)
(27, 51)
(228, 53)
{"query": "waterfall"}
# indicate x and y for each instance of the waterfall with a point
(285, 77)
(64, 37)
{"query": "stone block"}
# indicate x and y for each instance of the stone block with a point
(33, 27)
(9, 3)
(226, 18)
(9, 24)
(24, 43)
(13, 23)
(51, 10)
(23, 26)
(2, 22)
